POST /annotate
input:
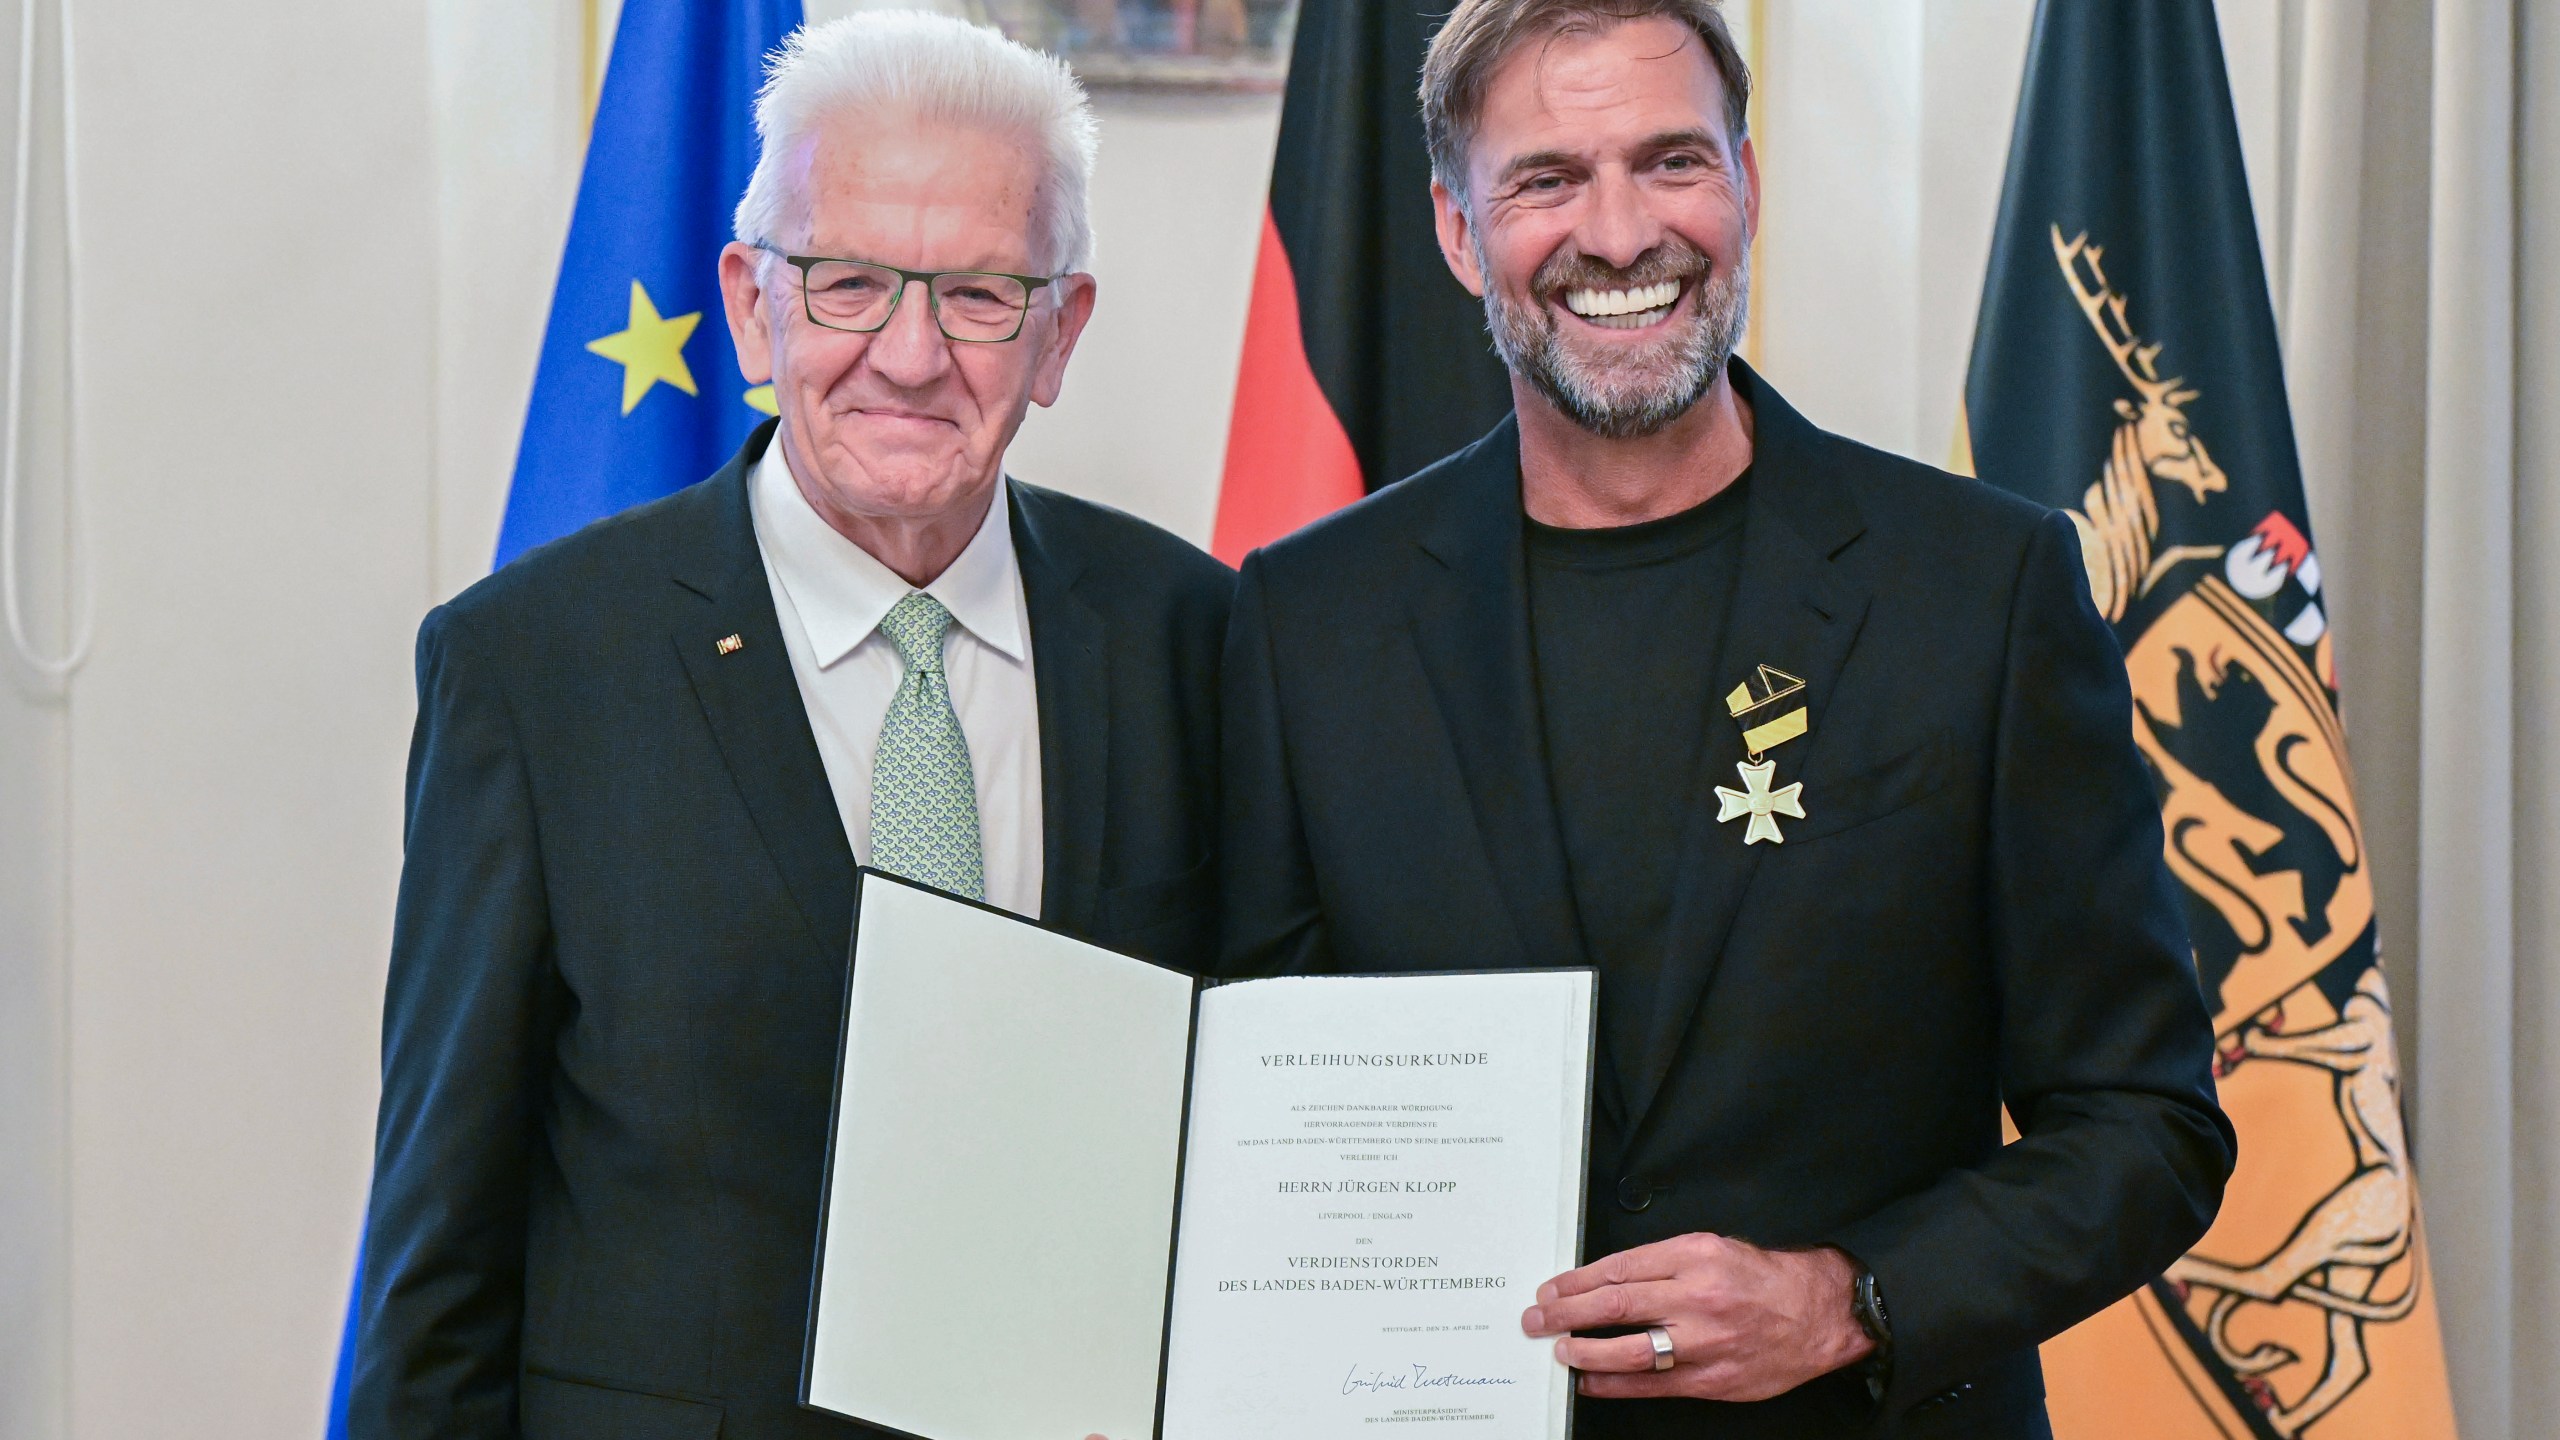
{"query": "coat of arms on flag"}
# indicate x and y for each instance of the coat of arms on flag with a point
(2125, 368)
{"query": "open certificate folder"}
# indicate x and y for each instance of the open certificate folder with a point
(1070, 1192)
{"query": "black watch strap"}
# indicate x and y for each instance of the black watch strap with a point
(1866, 1302)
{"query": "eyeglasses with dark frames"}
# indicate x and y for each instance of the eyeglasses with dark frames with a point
(977, 307)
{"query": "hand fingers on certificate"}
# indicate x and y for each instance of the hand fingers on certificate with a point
(1616, 1355)
(1638, 1302)
(1744, 1323)
(1662, 1284)
(1662, 1260)
(1633, 1287)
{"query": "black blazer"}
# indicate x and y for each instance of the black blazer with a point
(1975, 909)
(620, 955)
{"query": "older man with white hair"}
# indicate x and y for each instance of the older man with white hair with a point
(649, 758)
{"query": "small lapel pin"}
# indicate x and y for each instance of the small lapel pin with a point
(729, 644)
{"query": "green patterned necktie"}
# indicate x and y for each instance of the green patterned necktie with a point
(924, 796)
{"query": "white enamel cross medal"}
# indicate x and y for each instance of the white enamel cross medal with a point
(1759, 802)
(1756, 800)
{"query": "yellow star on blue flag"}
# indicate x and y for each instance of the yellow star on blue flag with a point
(649, 349)
(673, 144)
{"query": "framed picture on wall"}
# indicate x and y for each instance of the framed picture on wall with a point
(1158, 44)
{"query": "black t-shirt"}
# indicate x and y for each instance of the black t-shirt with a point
(1623, 622)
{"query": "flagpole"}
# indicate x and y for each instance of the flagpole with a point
(590, 80)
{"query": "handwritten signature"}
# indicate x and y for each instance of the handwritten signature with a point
(1416, 1377)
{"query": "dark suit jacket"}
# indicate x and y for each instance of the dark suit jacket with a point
(1975, 909)
(620, 956)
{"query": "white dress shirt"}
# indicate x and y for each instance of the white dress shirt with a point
(831, 595)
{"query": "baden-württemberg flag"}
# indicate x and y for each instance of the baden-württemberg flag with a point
(2125, 367)
(638, 393)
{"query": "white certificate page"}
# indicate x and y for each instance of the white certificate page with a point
(1000, 1194)
(1380, 1172)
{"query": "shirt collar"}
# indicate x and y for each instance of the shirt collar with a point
(843, 593)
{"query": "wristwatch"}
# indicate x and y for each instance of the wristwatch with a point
(1866, 1302)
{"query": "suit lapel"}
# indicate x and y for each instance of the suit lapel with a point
(1471, 628)
(1796, 610)
(753, 704)
(1071, 669)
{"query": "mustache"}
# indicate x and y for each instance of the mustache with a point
(1674, 259)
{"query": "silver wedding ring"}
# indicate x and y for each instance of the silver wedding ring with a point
(1661, 1338)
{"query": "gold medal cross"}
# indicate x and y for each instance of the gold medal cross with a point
(1759, 802)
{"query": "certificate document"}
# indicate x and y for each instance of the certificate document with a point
(1072, 1192)
(1382, 1171)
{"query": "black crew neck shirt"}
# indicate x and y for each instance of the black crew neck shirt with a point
(1624, 623)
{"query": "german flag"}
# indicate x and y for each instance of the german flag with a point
(2125, 368)
(1363, 359)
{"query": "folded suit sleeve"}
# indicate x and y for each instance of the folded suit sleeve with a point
(468, 1022)
(2105, 1045)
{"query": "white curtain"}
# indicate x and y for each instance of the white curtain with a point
(2423, 354)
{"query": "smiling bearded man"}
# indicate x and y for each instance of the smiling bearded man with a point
(1624, 392)
(1821, 757)
(649, 757)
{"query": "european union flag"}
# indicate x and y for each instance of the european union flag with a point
(638, 393)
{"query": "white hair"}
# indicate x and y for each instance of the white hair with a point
(940, 70)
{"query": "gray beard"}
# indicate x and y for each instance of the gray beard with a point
(1629, 397)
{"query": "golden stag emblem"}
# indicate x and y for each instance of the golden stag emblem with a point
(2119, 517)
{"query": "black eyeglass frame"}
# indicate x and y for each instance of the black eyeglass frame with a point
(1031, 285)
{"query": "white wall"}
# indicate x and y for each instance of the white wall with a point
(1885, 132)
(201, 836)
(1837, 261)
(296, 436)
(35, 1155)
(1178, 197)
(255, 377)
(510, 119)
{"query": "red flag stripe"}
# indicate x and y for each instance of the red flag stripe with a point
(1289, 460)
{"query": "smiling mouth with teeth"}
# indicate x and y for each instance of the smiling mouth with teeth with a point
(1629, 309)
